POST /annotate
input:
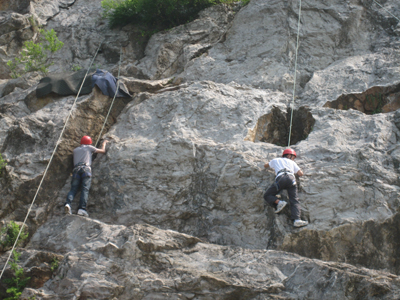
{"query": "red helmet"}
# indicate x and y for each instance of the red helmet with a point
(289, 151)
(86, 140)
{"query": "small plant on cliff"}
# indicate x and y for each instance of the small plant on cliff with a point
(54, 264)
(2, 164)
(160, 13)
(34, 24)
(35, 56)
(76, 68)
(375, 101)
(17, 283)
(9, 234)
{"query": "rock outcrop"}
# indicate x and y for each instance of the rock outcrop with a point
(176, 204)
(142, 262)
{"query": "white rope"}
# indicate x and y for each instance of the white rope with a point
(115, 95)
(48, 165)
(295, 71)
(387, 11)
(295, 67)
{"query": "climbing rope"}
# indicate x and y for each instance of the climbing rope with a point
(387, 11)
(115, 95)
(295, 71)
(48, 165)
(295, 66)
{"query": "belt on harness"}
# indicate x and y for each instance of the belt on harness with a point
(279, 174)
(81, 170)
(283, 171)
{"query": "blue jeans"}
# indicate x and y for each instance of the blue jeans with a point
(82, 181)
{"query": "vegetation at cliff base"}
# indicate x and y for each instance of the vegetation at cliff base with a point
(158, 13)
(9, 234)
(17, 283)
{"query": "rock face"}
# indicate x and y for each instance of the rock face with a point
(143, 262)
(176, 203)
(330, 32)
(169, 52)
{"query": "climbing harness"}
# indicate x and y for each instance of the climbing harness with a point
(295, 71)
(51, 158)
(280, 175)
(115, 95)
(284, 171)
(81, 170)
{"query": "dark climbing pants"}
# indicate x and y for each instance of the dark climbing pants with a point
(285, 182)
(81, 179)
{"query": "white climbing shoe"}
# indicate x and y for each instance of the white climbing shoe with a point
(67, 209)
(82, 212)
(281, 205)
(300, 223)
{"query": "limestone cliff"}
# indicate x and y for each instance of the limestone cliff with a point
(176, 207)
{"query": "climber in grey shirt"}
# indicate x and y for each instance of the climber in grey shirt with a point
(82, 174)
(83, 154)
(285, 170)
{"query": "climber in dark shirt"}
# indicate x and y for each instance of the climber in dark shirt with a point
(82, 174)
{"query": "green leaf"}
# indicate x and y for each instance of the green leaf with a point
(35, 56)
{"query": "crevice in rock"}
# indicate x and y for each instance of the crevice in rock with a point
(377, 99)
(200, 52)
(274, 127)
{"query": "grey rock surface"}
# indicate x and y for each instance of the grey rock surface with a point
(354, 75)
(14, 30)
(179, 160)
(80, 26)
(29, 132)
(259, 48)
(143, 262)
(176, 203)
(20, 6)
(167, 53)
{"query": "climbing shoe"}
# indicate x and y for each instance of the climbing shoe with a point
(281, 205)
(82, 212)
(67, 209)
(300, 223)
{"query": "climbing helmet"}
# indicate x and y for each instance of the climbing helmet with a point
(289, 151)
(86, 140)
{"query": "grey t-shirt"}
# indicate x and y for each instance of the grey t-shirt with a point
(83, 154)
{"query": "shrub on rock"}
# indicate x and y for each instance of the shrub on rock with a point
(163, 13)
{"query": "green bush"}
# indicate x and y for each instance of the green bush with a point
(35, 56)
(10, 233)
(2, 164)
(76, 68)
(17, 283)
(54, 264)
(159, 13)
